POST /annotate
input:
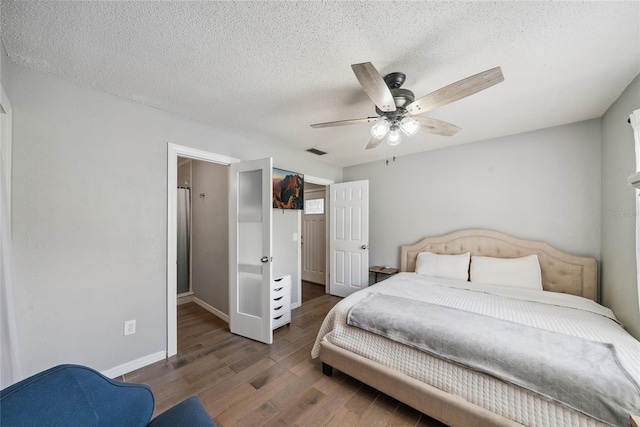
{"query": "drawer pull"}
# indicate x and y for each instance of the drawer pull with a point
(277, 280)
(278, 299)
(276, 318)
(278, 308)
(279, 289)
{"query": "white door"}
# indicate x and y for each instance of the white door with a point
(250, 257)
(314, 237)
(349, 237)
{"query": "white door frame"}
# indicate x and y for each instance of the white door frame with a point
(326, 183)
(173, 152)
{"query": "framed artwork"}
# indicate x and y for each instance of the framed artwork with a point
(288, 189)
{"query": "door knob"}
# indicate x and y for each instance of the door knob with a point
(363, 247)
(264, 259)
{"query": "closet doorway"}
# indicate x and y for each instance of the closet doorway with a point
(203, 238)
(197, 242)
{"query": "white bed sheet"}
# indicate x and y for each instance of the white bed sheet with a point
(562, 313)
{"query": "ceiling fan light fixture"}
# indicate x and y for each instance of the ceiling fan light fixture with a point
(409, 126)
(394, 136)
(380, 128)
(395, 106)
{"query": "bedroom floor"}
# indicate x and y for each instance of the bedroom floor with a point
(311, 291)
(246, 383)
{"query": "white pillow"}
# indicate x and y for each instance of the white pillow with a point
(516, 272)
(443, 266)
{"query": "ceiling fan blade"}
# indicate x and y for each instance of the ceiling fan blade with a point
(455, 91)
(344, 122)
(373, 143)
(435, 126)
(374, 85)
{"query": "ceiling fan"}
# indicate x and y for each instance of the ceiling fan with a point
(397, 108)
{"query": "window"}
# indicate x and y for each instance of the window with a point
(314, 207)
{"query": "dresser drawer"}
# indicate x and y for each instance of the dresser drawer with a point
(280, 306)
(280, 286)
(280, 301)
(281, 319)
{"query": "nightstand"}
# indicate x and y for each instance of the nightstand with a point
(377, 269)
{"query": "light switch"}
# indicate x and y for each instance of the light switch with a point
(295, 237)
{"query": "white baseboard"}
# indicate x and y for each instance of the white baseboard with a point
(131, 366)
(185, 298)
(211, 309)
(125, 368)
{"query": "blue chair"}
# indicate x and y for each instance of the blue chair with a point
(73, 395)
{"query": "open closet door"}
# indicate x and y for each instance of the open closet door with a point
(349, 237)
(250, 208)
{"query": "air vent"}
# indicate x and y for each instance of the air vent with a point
(316, 151)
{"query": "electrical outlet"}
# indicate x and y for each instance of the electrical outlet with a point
(130, 327)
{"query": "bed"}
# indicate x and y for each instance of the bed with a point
(452, 392)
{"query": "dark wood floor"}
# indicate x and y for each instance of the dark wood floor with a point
(311, 291)
(246, 383)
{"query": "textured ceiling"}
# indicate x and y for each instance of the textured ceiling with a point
(267, 70)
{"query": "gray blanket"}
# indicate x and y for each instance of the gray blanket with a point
(581, 374)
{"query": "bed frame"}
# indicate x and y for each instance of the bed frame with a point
(561, 272)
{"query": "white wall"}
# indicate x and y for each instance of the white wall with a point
(619, 280)
(3, 62)
(210, 234)
(6, 130)
(542, 185)
(89, 217)
(184, 172)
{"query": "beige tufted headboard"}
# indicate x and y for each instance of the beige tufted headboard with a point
(561, 272)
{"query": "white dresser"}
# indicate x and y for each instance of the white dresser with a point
(280, 301)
